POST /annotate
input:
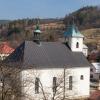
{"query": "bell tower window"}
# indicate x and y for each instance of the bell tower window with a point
(77, 45)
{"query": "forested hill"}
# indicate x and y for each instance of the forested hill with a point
(53, 28)
(85, 18)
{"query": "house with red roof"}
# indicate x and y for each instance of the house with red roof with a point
(5, 50)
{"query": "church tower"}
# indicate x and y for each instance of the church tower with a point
(37, 33)
(75, 38)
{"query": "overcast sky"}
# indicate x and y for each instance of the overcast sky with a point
(17, 9)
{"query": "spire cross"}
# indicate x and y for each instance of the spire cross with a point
(37, 23)
(73, 18)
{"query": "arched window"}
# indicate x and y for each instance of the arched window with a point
(77, 45)
(37, 85)
(82, 77)
(54, 84)
(70, 82)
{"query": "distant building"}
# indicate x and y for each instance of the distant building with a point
(94, 56)
(95, 71)
(52, 69)
(5, 50)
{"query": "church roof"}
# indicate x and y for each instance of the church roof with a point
(46, 55)
(72, 31)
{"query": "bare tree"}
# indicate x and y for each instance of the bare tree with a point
(57, 90)
(9, 82)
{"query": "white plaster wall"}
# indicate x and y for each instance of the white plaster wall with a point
(72, 43)
(46, 78)
(80, 87)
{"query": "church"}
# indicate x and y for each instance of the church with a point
(53, 70)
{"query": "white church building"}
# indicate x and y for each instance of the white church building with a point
(53, 70)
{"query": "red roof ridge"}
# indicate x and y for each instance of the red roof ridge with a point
(5, 48)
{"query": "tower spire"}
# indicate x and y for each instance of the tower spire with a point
(73, 19)
(37, 24)
(37, 32)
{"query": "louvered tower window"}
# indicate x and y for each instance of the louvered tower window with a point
(77, 45)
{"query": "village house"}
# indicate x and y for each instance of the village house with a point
(5, 50)
(95, 71)
(94, 58)
(52, 70)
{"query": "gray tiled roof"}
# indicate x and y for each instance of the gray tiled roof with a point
(47, 55)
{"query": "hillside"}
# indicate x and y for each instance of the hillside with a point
(85, 18)
(22, 29)
(92, 38)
